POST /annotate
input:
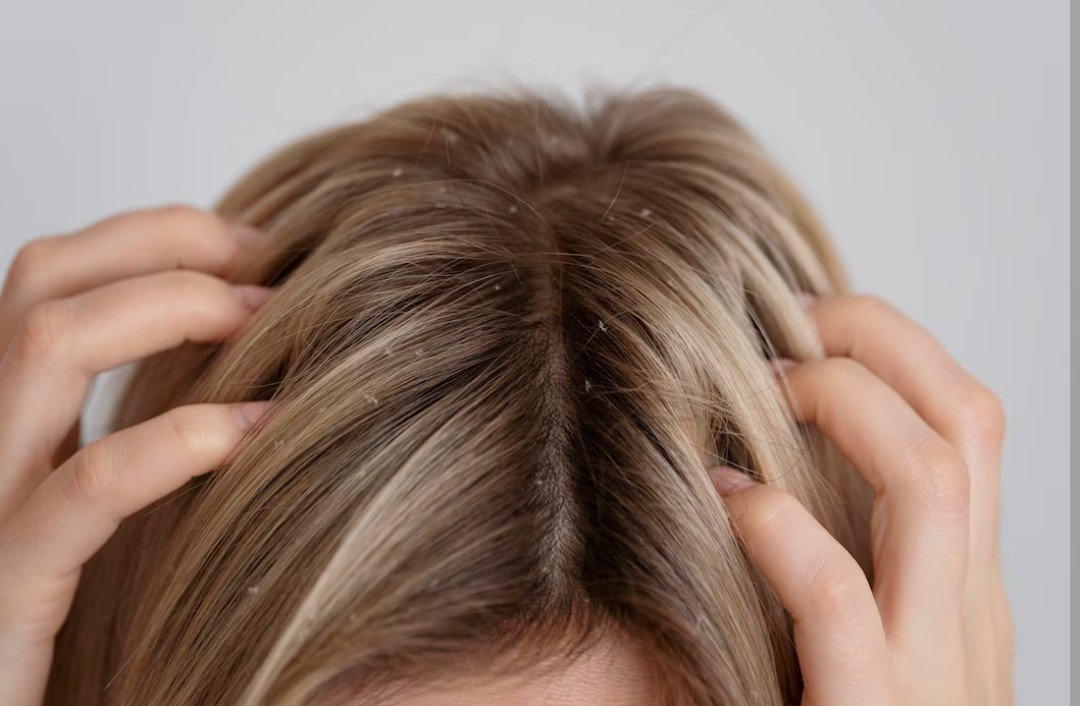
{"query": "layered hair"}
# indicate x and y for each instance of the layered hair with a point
(510, 337)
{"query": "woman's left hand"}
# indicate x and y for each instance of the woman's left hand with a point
(935, 627)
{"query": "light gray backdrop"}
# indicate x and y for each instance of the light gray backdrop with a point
(933, 136)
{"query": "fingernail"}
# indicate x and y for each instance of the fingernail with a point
(253, 296)
(805, 299)
(779, 366)
(248, 413)
(730, 480)
(244, 234)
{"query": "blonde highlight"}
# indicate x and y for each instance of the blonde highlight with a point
(510, 337)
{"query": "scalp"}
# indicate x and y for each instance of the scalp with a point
(511, 335)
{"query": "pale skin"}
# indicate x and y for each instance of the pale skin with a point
(934, 628)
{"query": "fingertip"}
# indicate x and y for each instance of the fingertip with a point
(253, 296)
(729, 481)
(248, 414)
(247, 236)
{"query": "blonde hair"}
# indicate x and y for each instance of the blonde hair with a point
(511, 336)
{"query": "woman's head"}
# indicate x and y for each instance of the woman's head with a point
(509, 340)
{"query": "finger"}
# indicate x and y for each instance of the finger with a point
(838, 632)
(77, 508)
(63, 343)
(920, 518)
(126, 245)
(951, 400)
(912, 362)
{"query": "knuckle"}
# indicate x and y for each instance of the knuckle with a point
(941, 477)
(28, 262)
(870, 306)
(183, 214)
(982, 414)
(89, 477)
(191, 221)
(42, 331)
(840, 368)
(835, 589)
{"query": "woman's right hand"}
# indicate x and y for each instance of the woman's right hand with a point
(935, 627)
(73, 306)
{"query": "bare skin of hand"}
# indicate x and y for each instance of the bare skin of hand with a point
(73, 306)
(935, 628)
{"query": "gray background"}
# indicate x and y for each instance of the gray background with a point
(933, 136)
